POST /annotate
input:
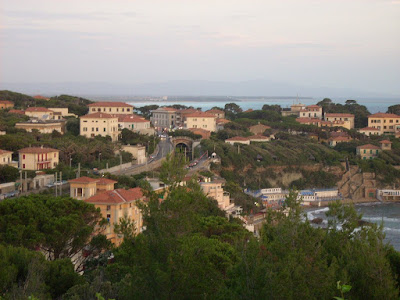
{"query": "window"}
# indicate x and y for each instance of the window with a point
(104, 129)
(97, 128)
(84, 129)
(23, 156)
(120, 207)
(23, 166)
(92, 129)
(108, 217)
(108, 207)
(123, 110)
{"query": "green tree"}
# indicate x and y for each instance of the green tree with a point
(172, 169)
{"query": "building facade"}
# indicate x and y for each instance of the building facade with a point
(4, 104)
(38, 158)
(111, 108)
(219, 114)
(101, 124)
(43, 126)
(368, 151)
(201, 120)
(385, 123)
(42, 113)
(164, 118)
(348, 119)
(5, 157)
(311, 111)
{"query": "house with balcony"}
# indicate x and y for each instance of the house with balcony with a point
(214, 189)
(111, 108)
(83, 188)
(347, 119)
(98, 123)
(38, 158)
(311, 111)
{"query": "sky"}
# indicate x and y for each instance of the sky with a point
(333, 43)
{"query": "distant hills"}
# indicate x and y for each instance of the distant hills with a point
(187, 87)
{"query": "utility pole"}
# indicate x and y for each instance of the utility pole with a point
(26, 181)
(22, 183)
(79, 170)
(55, 182)
(60, 183)
(120, 163)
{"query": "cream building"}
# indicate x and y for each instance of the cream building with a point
(38, 158)
(135, 123)
(39, 113)
(63, 111)
(369, 131)
(294, 110)
(84, 187)
(117, 204)
(42, 126)
(238, 140)
(311, 111)
(214, 190)
(4, 104)
(348, 119)
(137, 151)
(101, 124)
(219, 114)
(111, 108)
(5, 157)
(201, 120)
(368, 151)
(385, 123)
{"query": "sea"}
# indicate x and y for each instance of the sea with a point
(381, 213)
(374, 105)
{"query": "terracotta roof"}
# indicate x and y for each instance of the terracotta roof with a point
(6, 102)
(383, 115)
(105, 181)
(37, 150)
(133, 119)
(314, 106)
(340, 138)
(339, 115)
(110, 104)
(259, 126)
(117, 196)
(215, 111)
(4, 152)
(385, 142)
(249, 110)
(38, 109)
(167, 108)
(368, 129)
(222, 121)
(16, 111)
(368, 146)
(200, 114)
(98, 115)
(84, 179)
(258, 137)
(40, 97)
(238, 138)
(188, 111)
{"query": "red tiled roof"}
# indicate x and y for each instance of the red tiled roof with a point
(368, 146)
(116, 196)
(188, 111)
(343, 115)
(383, 115)
(16, 111)
(369, 129)
(238, 138)
(40, 97)
(105, 181)
(222, 121)
(261, 126)
(37, 150)
(6, 102)
(215, 111)
(98, 115)
(200, 114)
(83, 179)
(314, 106)
(133, 119)
(340, 138)
(385, 142)
(38, 109)
(4, 151)
(258, 137)
(167, 108)
(110, 104)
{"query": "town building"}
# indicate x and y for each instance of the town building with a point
(164, 118)
(219, 114)
(42, 113)
(333, 141)
(43, 126)
(40, 97)
(368, 151)
(385, 123)
(102, 124)
(214, 189)
(201, 120)
(116, 205)
(205, 134)
(138, 152)
(4, 104)
(62, 112)
(347, 119)
(258, 129)
(5, 157)
(388, 195)
(368, 131)
(83, 187)
(294, 110)
(181, 116)
(38, 158)
(259, 138)
(135, 124)
(311, 111)
(111, 108)
(386, 145)
(238, 140)
(220, 123)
